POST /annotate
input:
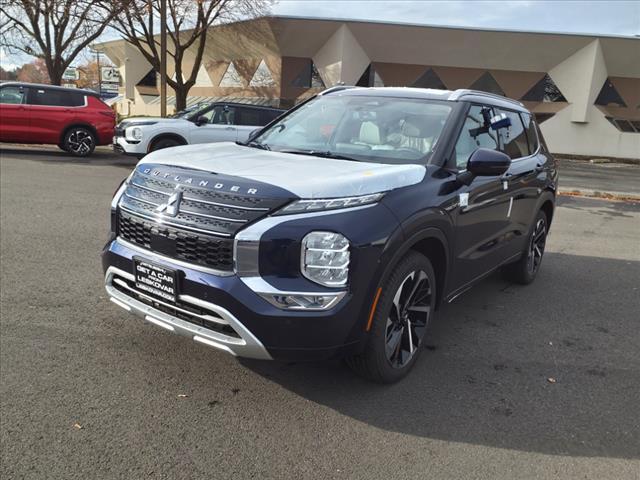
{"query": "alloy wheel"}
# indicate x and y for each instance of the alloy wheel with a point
(80, 142)
(408, 318)
(536, 246)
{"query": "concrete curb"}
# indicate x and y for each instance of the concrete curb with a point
(585, 192)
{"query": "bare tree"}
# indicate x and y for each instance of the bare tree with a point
(187, 25)
(55, 31)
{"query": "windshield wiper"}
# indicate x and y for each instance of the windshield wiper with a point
(321, 153)
(254, 144)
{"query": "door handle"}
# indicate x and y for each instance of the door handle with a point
(230, 128)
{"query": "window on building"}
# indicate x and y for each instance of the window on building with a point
(530, 127)
(514, 138)
(429, 79)
(545, 90)
(231, 77)
(309, 77)
(475, 134)
(487, 83)
(11, 95)
(149, 80)
(609, 96)
(624, 125)
(262, 76)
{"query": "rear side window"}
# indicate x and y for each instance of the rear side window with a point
(11, 95)
(55, 98)
(532, 137)
(267, 116)
(247, 116)
(514, 138)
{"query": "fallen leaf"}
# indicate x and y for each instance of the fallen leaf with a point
(78, 426)
(182, 395)
(551, 380)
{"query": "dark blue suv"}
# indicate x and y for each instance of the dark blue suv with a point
(336, 230)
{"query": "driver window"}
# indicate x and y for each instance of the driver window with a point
(474, 134)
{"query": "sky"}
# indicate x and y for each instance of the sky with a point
(612, 17)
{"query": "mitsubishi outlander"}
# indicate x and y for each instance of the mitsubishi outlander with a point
(338, 229)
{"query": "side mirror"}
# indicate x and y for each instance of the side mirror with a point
(485, 162)
(201, 120)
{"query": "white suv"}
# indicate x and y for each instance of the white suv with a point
(201, 123)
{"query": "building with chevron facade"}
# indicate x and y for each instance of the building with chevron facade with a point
(584, 89)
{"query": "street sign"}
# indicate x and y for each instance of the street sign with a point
(71, 73)
(109, 87)
(69, 85)
(110, 74)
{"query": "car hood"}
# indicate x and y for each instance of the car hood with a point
(303, 175)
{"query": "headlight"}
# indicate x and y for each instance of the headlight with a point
(324, 258)
(135, 133)
(329, 203)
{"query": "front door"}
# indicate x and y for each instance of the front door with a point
(483, 228)
(220, 128)
(14, 114)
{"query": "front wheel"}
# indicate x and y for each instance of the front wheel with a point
(525, 269)
(399, 324)
(164, 143)
(79, 142)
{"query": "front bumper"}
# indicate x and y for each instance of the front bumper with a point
(121, 145)
(258, 329)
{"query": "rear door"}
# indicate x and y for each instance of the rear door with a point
(482, 224)
(220, 128)
(14, 114)
(247, 120)
(522, 177)
(51, 111)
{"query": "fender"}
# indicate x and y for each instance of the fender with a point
(426, 224)
(174, 136)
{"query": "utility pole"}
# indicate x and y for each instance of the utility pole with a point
(163, 58)
(99, 74)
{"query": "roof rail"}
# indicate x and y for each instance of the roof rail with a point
(463, 92)
(337, 88)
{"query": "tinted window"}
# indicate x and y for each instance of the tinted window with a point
(530, 127)
(248, 116)
(267, 116)
(13, 95)
(513, 138)
(475, 134)
(55, 98)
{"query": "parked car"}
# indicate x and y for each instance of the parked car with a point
(76, 120)
(202, 123)
(339, 230)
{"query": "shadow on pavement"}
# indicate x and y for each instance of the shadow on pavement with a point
(552, 367)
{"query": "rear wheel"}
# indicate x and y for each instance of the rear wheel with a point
(79, 141)
(400, 321)
(524, 270)
(164, 143)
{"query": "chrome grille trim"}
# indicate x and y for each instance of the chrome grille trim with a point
(163, 221)
(234, 220)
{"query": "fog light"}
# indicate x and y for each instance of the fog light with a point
(302, 301)
(324, 258)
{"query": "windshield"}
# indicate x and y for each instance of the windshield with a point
(187, 112)
(372, 129)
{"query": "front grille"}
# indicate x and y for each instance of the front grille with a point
(185, 311)
(188, 215)
(205, 250)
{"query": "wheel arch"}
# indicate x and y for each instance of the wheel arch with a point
(166, 135)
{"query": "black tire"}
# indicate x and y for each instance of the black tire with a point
(161, 143)
(525, 269)
(79, 142)
(402, 316)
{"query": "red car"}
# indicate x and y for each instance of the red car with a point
(75, 120)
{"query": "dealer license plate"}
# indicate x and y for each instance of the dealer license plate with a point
(155, 279)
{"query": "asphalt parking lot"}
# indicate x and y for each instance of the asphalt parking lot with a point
(518, 382)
